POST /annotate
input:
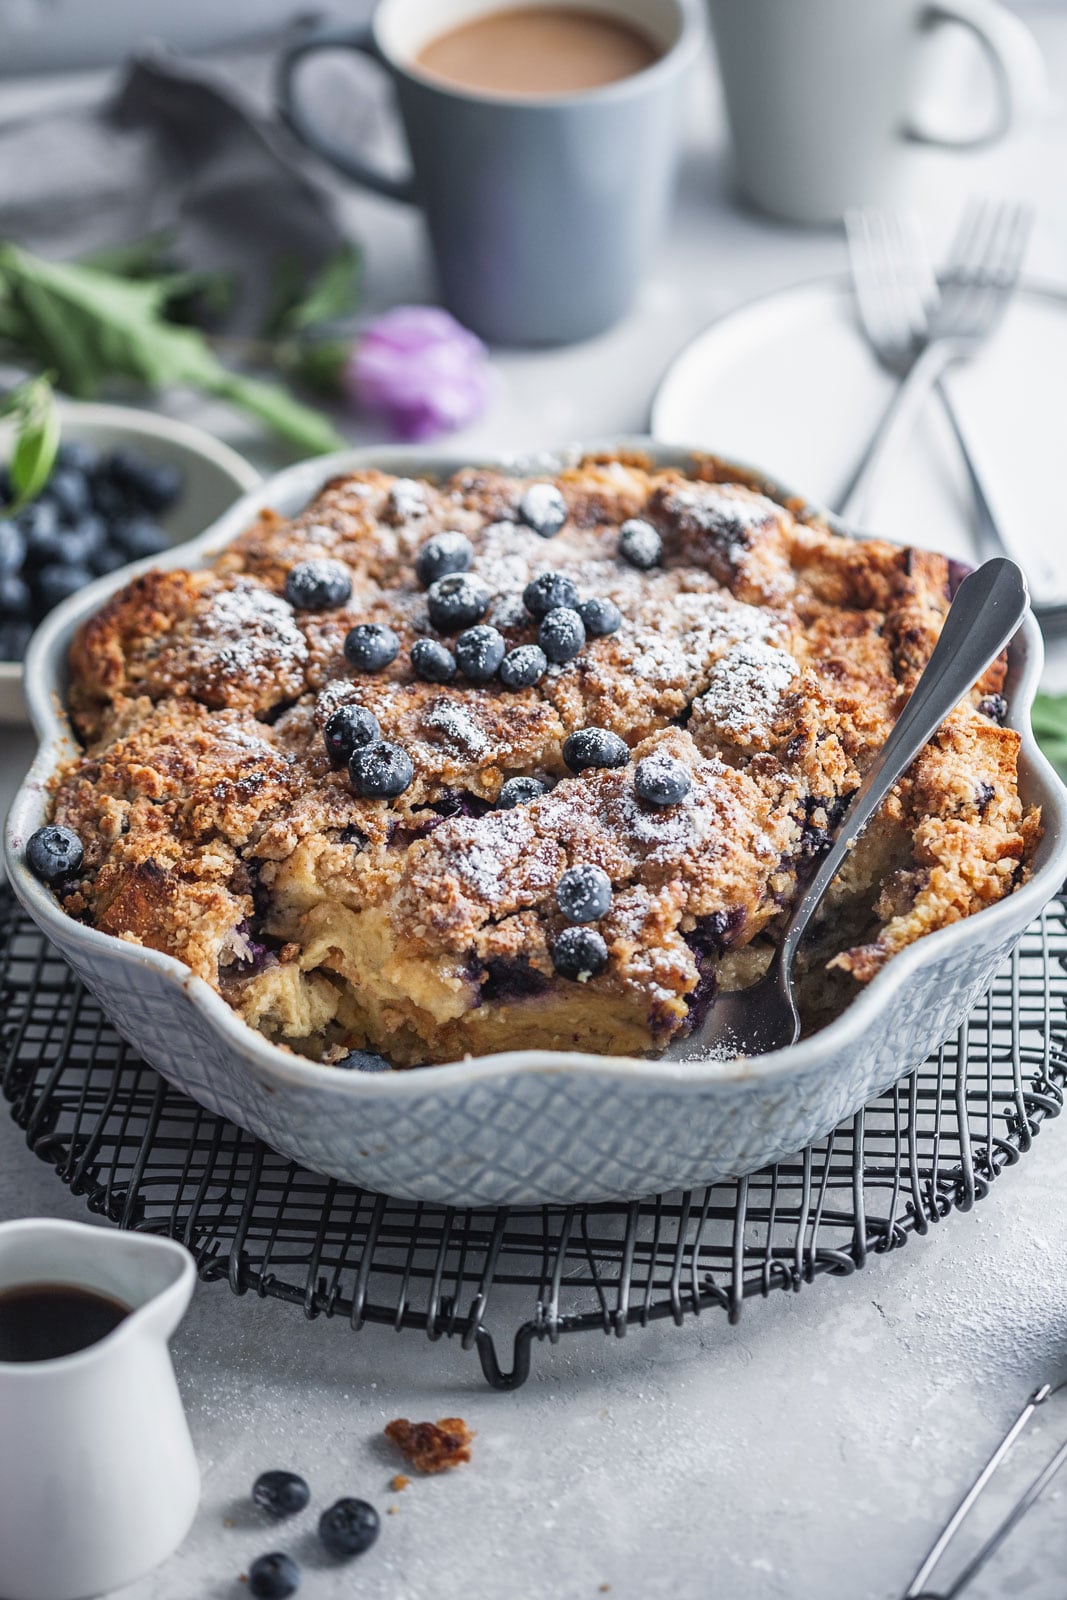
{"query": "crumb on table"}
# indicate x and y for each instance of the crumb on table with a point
(398, 1482)
(431, 1446)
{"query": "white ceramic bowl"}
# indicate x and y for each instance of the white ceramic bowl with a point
(213, 476)
(524, 1125)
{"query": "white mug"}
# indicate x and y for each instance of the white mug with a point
(98, 1480)
(820, 93)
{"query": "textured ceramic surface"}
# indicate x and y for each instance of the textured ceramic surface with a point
(213, 476)
(524, 1126)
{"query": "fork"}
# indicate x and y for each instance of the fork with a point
(989, 606)
(919, 327)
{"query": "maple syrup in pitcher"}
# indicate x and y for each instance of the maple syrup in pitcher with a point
(43, 1321)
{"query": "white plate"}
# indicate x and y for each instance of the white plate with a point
(213, 477)
(789, 380)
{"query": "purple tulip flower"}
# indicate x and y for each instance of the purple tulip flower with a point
(420, 370)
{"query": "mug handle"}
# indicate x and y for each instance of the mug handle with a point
(1018, 67)
(331, 38)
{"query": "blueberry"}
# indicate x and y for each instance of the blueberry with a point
(561, 634)
(280, 1493)
(994, 706)
(350, 726)
(53, 853)
(640, 544)
(14, 637)
(349, 1527)
(519, 792)
(363, 1061)
(457, 601)
(432, 661)
(57, 582)
(594, 747)
(583, 894)
(600, 617)
(579, 953)
(380, 770)
(543, 509)
(138, 537)
(662, 780)
(154, 485)
(71, 547)
(479, 651)
(445, 553)
(109, 558)
(68, 489)
(318, 585)
(273, 1577)
(79, 456)
(547, 591)
(15, 597)
(109, 498)
(39, 522)
(371, 646)
(12, 546)
(523, 666)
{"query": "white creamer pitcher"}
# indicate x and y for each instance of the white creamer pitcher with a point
(98, 1481)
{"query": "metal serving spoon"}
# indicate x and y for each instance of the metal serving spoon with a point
(988, 608)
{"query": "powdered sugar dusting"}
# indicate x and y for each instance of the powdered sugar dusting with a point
(746, 688)
(454, 724)
(243, 624)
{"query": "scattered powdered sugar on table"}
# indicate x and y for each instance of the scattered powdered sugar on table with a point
(746, 687)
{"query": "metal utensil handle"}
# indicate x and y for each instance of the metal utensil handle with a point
(988, 608)
(894, 423)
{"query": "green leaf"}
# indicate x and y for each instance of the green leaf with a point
(150, 257)
(319, 363)
(302, 425)
(1049, 720)
(332, 295)
(88, 326)
(36, 438)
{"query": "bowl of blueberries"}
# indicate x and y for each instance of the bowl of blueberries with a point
(126, 485)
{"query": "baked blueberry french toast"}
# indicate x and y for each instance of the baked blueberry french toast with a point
(502, 762)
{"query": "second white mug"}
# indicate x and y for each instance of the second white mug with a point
(820, 93)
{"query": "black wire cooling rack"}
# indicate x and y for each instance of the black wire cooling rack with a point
(149, 1158)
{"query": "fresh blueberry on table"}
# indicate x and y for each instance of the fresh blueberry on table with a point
(524, 666)
(640, 544)
(442, 555)
(543, 509)
(583, 894)
(371, 646)
(579, 954)
(380, 771)
(661, 780)
(349, 1527)
(479, 652)
(594, 747)
(348, 727)
(432, 661)
(457, 601)
(601, 616)
(273, 1577)
(53, 853)
(561, 634)
(519, 792)
(547, 591)
(318, 585)
(280, 1493)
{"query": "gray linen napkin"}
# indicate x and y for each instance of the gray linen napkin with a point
(181, 146)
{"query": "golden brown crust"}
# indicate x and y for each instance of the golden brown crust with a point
(767, 654)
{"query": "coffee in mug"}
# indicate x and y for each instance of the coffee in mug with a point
(537, 50)
(544, 142)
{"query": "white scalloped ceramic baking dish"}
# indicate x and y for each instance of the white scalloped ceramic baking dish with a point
(524, 1125)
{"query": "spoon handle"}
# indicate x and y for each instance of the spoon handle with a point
(989, 606)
